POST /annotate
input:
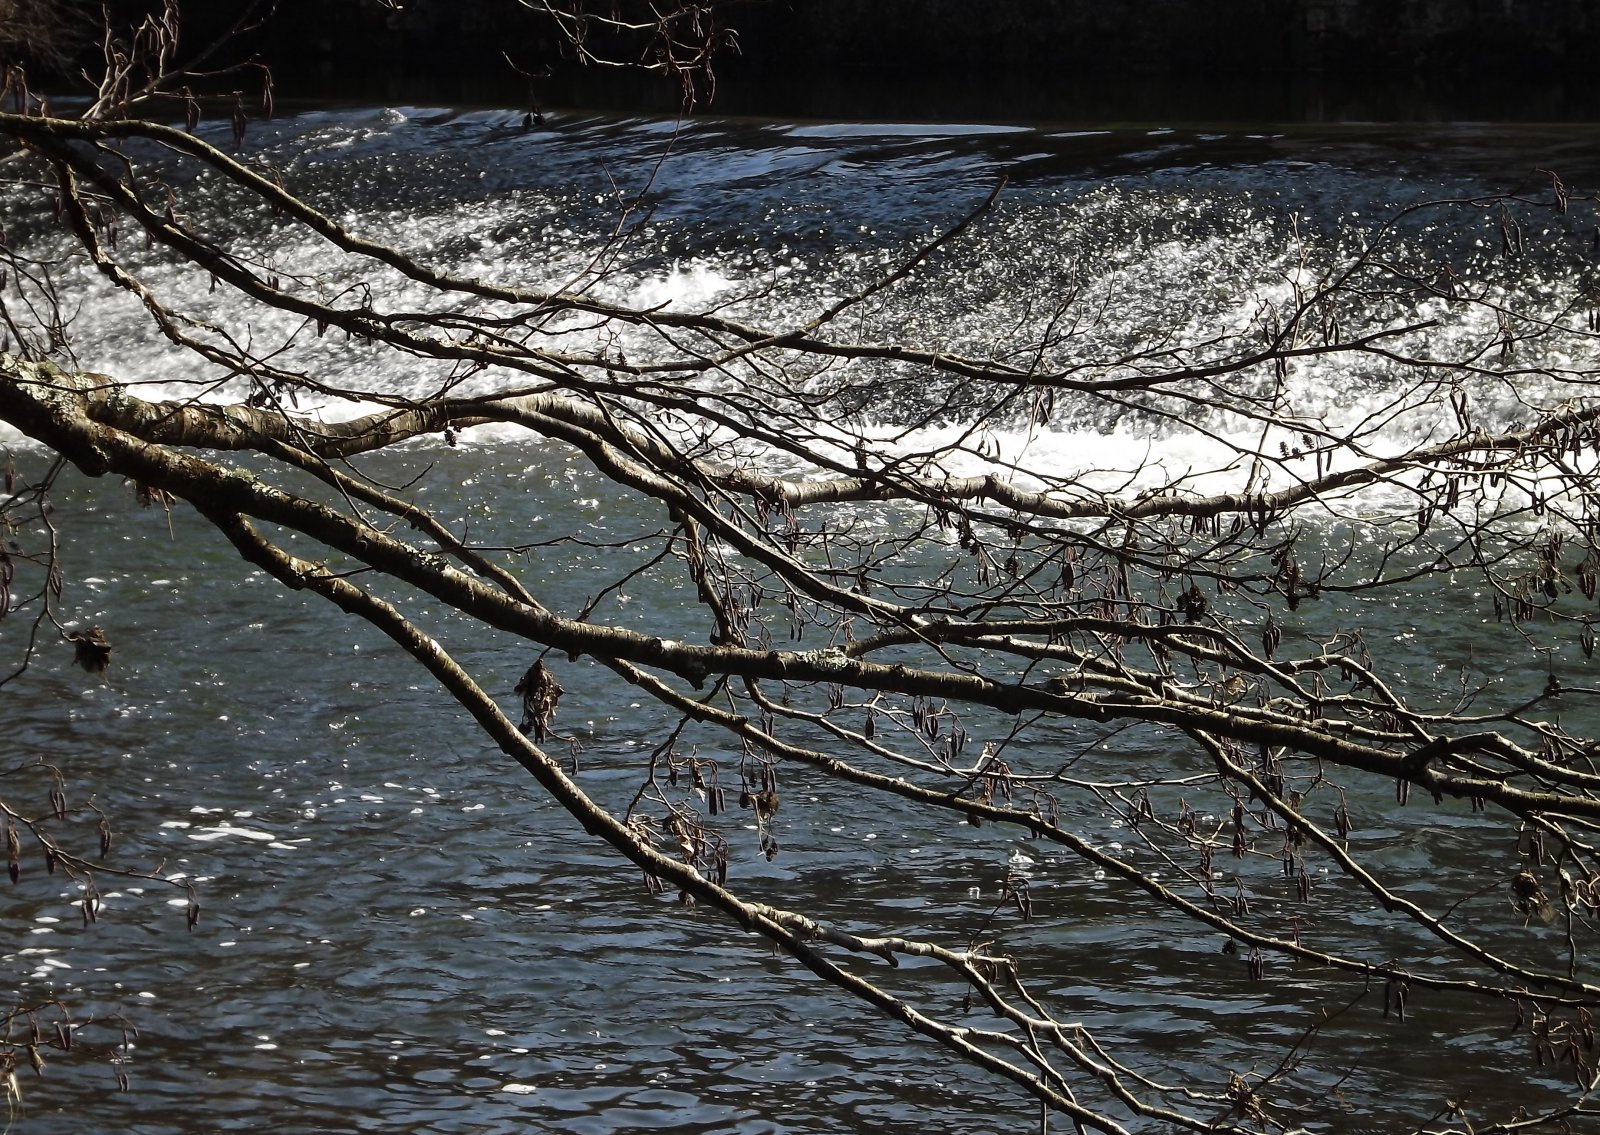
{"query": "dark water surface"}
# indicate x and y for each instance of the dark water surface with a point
(400, 934)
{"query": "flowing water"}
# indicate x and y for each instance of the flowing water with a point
(399, 933)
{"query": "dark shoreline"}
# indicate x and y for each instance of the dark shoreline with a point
(848, 97)
(1136, 61)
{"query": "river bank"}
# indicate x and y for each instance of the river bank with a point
(1146, 60)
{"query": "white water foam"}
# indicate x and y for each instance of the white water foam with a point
(1158, 277)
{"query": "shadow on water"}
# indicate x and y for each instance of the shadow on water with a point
(1171, 98)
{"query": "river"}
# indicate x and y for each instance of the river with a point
(399, 933)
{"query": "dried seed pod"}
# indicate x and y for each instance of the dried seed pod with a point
(1144, 809)
(1271, 637)
(1341, 820)
(540, 695)
(91, 649)
(240, 123)
(1526, 890)
(1394, 998)
(1186, 819)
